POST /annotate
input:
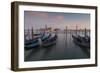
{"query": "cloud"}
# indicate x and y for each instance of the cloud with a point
(40, 14)
(59, 17)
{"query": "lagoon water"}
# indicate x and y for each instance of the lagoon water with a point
(65, 48)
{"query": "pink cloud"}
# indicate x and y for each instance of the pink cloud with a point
(44, 15)
(59, 17)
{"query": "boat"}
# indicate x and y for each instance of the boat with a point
(85, 38)
(46, 37)
(81, 41)
(34, 40)
(49, 42)
(37, 44)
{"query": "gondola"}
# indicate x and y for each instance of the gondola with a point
(84, 38)
(49, 42)
(81, 41)
(34, 40)
(37, 44)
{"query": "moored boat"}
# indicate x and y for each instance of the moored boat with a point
(34, 40)
(50, 41)
(81, 41)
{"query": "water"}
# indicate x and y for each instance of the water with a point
(65, 48)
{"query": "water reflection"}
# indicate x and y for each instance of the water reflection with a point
(65, 48)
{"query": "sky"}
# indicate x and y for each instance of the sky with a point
(37, 20)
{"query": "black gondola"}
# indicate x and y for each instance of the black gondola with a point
(35, 40)
(81, 41)
(50, 41)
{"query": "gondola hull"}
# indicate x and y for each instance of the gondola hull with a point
(50, 41)
(81, 42)
(35, 40)
(35, 45)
